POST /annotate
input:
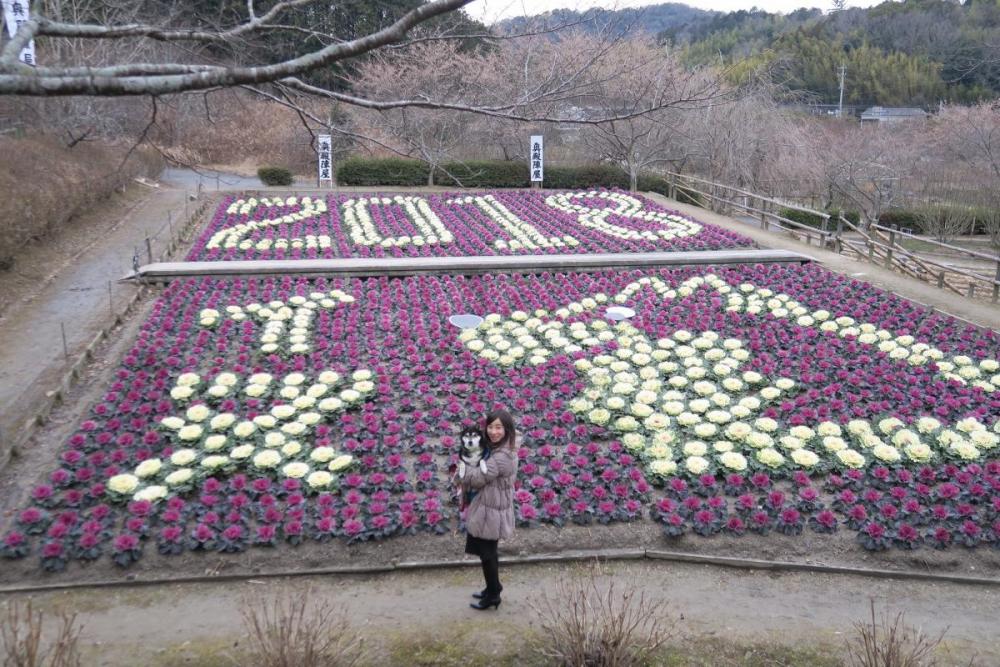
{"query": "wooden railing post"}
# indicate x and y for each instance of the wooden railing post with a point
(996, 283)
(839, 243)
(888, 253)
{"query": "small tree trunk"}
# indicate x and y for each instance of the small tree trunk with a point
(633, 176)
(430, 176)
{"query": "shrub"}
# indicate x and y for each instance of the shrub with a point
(688, 196)
(899, 217)
(382, 171)
(654, 183)
(815, 220)
(802, 217)
(21, 638)
(945, 222)
(584, 623)
(275, 176)
(485, 174)
(288, 631)
(890, 642)
(499, 174)
(930, 218)
(851, 216)
(587, 176)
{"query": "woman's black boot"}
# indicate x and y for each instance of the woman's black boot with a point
(486, 603)
(490, 596)
(483, 593)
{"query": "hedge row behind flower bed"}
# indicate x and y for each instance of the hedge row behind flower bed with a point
(483, 174)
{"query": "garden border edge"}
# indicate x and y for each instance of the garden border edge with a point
(559, 557)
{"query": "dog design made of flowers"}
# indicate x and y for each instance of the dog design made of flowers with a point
(683, 404)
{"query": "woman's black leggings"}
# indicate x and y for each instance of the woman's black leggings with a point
(491, 572)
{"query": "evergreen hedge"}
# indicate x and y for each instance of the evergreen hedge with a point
(381, 171)
(275, 176)
(815, 220)
(498, 174)
(898, 217)
(484, 174)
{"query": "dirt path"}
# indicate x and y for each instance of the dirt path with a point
(185, 624)
(69, 284)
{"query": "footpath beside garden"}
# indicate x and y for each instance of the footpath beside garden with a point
(199, 329)
(62, 293)
(721, 617)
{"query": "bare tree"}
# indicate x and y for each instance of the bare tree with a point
(989, 221)
(638, 74)
(863, 166)
(436, 69)
(77, 119)
(970, 135)
(743, 141)
(945, 222)
(161, 78)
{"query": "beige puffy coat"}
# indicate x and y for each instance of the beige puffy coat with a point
(491, 513)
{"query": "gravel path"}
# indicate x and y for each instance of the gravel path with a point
(180, 624)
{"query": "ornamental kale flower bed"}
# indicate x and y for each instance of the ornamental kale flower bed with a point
(744, 400)
(450, 224)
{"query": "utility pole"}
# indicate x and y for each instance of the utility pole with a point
(840, 105)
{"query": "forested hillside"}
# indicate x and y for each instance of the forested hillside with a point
(917, 52)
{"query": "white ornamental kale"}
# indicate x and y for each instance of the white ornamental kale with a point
(278, 440)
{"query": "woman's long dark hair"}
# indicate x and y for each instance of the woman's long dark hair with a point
(510, 433)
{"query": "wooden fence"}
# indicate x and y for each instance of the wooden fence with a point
(874, 243)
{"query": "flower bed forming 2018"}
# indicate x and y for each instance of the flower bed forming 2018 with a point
(451, 224)
(744, 399)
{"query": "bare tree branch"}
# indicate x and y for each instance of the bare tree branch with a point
(96, 31)
(143, 137)
(500, 111)
(27, 81)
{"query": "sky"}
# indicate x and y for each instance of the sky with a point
(493, 10)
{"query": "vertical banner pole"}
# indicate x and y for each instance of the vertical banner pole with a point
(536, 165)
(16, 12)
(324, 146)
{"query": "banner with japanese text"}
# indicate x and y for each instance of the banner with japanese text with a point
(324, 149)
(537, 149)
(16, 13)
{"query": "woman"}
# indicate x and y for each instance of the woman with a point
(490, 517)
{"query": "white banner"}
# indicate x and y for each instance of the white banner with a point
(324, 147)
(15, 12)
(536, 161)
